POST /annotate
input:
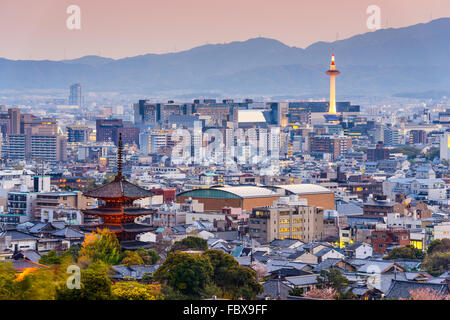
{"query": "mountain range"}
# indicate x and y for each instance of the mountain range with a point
(402, 61)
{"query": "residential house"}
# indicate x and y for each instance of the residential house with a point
(400, 289)
(358, 250)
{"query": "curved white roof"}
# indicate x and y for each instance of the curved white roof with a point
(249, 191)
(304, 188)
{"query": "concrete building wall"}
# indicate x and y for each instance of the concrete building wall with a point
(320, 200)
(295, 222)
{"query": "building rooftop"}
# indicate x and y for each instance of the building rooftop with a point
(249, 191)
(401, 289)
(304, 188)
(251, 116)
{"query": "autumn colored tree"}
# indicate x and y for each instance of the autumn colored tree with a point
(132, 290)
(101, 245)
(131, 258)
(37, 285)
(8, 287)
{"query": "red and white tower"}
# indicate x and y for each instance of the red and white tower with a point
(332, 73)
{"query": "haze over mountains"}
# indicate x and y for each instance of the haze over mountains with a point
(407, 60)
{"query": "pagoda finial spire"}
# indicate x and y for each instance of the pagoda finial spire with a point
(119, 159)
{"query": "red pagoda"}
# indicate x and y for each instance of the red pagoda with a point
(116, 209)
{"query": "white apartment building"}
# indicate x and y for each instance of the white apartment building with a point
(442, 231)
(420, 189)
(408, 222)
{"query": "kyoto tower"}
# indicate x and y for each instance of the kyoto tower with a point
(332, 73)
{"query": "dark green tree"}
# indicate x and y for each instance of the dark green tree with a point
(409, 151)
(95, 284)
(298, 292)
(190, 243)
(241, 282)
(235, 281)
(186, 273)
(150, 257)
(432, 153)
(439, 246)
(405, 252)
(333, 278)
(436, 263)
(51, 258)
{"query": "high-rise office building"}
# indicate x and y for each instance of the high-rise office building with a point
(378, 153)
(78, 133)
(153, 141)
(417, 137)
(336, 146)
(14, 120)
(392, 136)
(75, 97)
(34, 139)
(110, 129)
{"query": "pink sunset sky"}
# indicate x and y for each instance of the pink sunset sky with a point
(36, 29)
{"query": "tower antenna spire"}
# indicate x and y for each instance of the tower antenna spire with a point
(119, 159)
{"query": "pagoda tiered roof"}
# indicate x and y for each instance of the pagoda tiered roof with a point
(117, 211)
(119, 188)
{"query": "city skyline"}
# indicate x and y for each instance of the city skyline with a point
(235, 171)
(115, 30)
